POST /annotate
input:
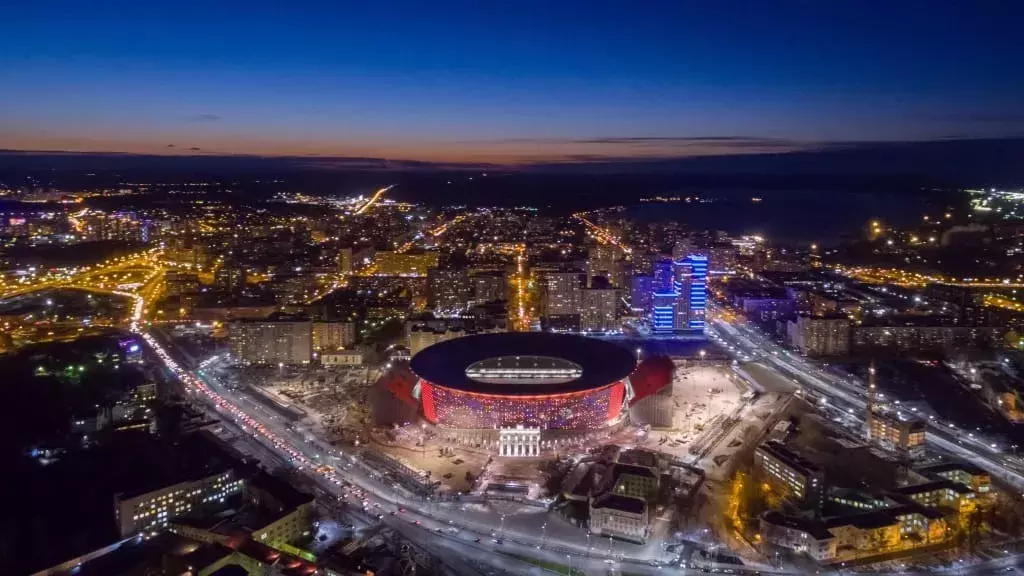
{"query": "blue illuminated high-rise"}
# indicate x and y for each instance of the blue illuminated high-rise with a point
(694, 278)
(682, 306)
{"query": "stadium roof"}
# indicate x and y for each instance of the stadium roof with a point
(445, 363)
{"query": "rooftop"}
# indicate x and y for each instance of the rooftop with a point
(780, 452)
(932, 486)
(813, 527)
(623, 503)
(600, 362)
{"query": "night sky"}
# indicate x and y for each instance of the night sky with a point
(505, 81)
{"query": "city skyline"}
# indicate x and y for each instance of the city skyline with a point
(506, 86)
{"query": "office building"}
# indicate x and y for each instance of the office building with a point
(615, 516)
(814, 336)
(691, 282)
(277, 340)
(449, 292)
(681, 305)
(790, 474)
(641, 295)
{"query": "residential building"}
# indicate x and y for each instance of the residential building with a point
(897, 431)
(449, 292)
(944, 493)
(489, 286)
(969, 475)
(598, 310)
(789, 473)
(345, 261)
(230, 277)
(333, 335)
(277, 340)
(291, 511)
(814, 336)
(829, 304)
(867, 531)
(560, 293)
(601, 261)
(421, 337)
(901, 336)
(151, 508)
(405, 263)
(801, 535)
(177, 283)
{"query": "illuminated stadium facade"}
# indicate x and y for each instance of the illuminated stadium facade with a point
(534, 380)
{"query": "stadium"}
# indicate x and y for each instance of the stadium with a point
(535, 380)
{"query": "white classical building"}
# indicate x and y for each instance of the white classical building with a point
(519, 442)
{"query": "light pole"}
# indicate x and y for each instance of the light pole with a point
(543, 534)
(588, 543)
(638, 351)
(501, 529)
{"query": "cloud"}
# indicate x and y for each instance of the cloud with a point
(648, 146)
(702, 141)
(170, 145)
(203, 118)
(1011, 118)
(195, 149)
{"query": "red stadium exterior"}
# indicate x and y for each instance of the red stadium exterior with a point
(584, 410)
(590, 396)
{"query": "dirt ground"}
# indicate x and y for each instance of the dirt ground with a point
(430, 458)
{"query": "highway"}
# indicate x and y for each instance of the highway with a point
(849, 395)
(602, 234)
(532, 532)
(373, 199)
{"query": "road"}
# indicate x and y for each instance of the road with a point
(848, 395)
(373, 199)
(345, 477)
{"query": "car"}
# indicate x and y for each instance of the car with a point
(401, 509)
(417, 522)
(477, 540)
(438, 530)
